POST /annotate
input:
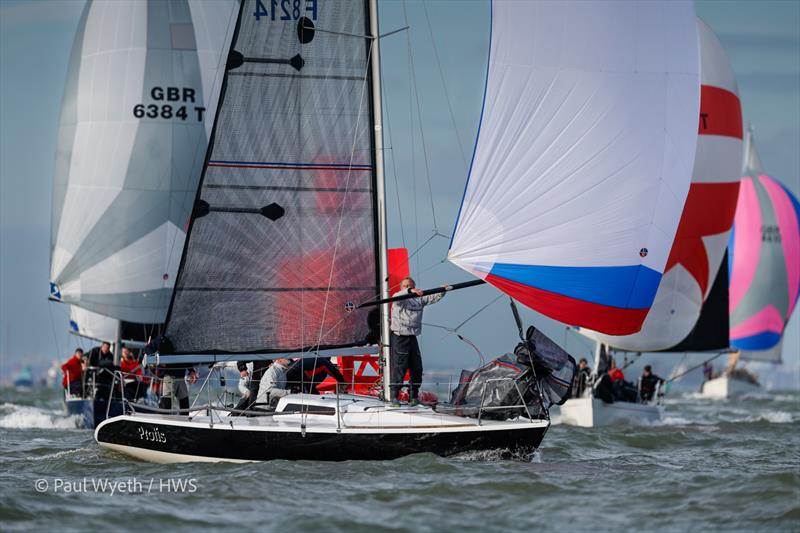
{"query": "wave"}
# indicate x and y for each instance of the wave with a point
(28, 417)
(774, 417)
(785, 398)
(676, 421)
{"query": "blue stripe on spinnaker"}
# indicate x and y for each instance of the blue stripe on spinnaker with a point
(762, 341)
(627, 287)
(731, 240)
(791, 196)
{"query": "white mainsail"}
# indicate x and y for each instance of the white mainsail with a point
(584, 156)
(142, 88)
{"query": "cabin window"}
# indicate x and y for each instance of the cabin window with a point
(308, 409)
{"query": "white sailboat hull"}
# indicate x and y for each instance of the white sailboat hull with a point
(592, 412)
(725, 387)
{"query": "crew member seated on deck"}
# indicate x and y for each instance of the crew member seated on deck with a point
(306, 373)
(73, 373)
(406, 325)
(648, 383)
(173, 383)
(624, 391)
(615, 373)
(173, 387)
(252, 372)
(273, 385)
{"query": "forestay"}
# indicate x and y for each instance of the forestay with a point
(282, 245)
(705, 224)
(583, 158)
(142, 81)
(765, 263)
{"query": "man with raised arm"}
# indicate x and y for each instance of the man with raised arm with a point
(406, 325)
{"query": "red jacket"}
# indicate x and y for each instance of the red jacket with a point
(130, 367)
(72, 371)
(616, 375)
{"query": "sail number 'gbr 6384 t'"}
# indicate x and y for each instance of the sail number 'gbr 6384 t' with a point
(179, 95)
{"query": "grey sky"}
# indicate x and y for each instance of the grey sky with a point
(761, 38)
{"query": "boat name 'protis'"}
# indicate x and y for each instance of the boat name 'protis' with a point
(153, 435)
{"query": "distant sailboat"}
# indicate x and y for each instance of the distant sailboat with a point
(582, 101)
(142, 81)
(764, 275)
(699, 246)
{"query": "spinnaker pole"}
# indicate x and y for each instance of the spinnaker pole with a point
(426, 292)
(380, 191)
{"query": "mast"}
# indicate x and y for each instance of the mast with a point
(380, 190)
(597, 351)
(117, 343)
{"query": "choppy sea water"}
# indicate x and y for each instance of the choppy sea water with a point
(710, 465)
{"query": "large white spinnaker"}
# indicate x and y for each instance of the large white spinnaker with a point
(583, 158)
(705, 225)
(142, 88)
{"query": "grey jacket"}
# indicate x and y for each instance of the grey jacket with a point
(407, 314)
(273, 384)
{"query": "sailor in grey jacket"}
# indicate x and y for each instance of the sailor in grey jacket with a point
(407, 314)
(406, 325)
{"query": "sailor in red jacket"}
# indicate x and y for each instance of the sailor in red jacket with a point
(73, 373)
(135, 384)
(615, 373)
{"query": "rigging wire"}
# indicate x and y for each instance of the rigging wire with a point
(53, 327)
(462, 338)
(385, 102)
(454, 330)
(444, 86)
(673, 378)
(579, 338)
(412, 70)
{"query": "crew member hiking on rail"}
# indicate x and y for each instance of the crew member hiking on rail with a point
(406, 325)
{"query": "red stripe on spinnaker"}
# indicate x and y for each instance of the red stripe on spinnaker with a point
(708, 211)
(720, 112)
(602, 318)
